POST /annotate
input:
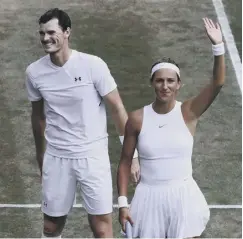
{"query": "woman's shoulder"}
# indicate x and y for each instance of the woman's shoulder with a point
(135, 118)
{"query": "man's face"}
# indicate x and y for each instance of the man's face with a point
(52, 36)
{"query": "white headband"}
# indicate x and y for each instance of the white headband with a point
(167, 66)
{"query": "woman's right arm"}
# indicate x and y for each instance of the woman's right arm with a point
(132, 129)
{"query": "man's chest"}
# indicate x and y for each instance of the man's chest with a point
(64, 85)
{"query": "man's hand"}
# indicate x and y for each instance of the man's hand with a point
(124, 216)
(213, 31)
(135, 170)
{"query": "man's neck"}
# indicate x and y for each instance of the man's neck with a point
(61, 57)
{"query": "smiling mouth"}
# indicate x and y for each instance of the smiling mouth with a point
(164, 93)
(47, 44)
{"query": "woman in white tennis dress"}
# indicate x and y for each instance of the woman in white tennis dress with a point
(168, 202)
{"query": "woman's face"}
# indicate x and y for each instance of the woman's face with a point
(166, 84)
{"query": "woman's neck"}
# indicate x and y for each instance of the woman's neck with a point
(163, 107)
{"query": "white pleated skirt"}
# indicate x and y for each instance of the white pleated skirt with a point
(172, 209)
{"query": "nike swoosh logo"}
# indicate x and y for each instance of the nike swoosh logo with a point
(160, 126)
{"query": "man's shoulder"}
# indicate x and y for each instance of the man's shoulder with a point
(90, 58)
(38, 66)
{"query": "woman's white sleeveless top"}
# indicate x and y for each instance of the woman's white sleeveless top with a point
(165, 146)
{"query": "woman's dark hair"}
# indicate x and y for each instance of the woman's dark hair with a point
(64, 20)
(167, 60)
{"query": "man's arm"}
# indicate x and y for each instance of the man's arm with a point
(118, 113)
(106, 86)
(38, 127)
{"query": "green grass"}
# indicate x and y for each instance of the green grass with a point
(129, 36)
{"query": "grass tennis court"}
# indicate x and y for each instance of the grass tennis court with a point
(129, 35)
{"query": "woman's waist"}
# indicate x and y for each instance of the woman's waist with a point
(158, 171)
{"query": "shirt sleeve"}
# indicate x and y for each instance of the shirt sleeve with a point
(103, 80)
(33, 93)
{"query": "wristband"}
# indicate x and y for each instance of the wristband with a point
(135, 155)
(121, 139)
(122, 202)
(218, 49)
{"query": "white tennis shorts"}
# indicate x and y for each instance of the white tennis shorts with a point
(60, 177)
(174, 209)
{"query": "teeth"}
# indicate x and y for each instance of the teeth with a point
(49, 44)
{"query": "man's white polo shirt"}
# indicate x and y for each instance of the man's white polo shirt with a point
(76, 123)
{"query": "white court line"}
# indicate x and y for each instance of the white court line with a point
(114, 205)
(229, 39)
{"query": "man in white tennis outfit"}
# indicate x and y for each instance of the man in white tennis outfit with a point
(68, 91)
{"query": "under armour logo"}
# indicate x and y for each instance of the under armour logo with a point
(45, 204)
(76, 79)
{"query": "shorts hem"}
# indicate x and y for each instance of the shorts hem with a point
(55, 214)
(96, 213)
